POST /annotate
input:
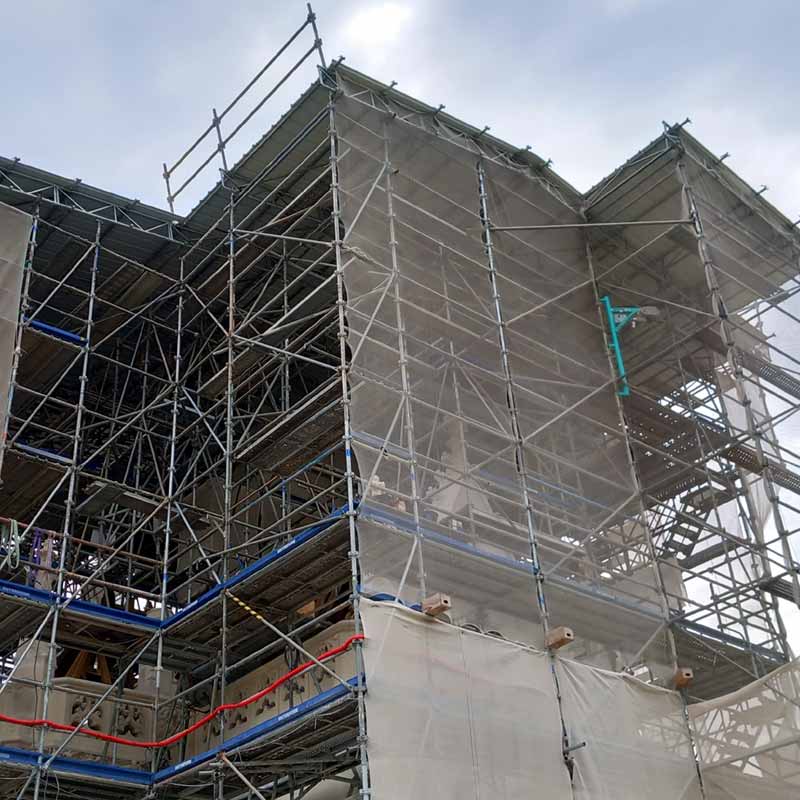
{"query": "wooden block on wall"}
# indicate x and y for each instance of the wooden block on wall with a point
(436, 604)
(683, 677)
(558, 637)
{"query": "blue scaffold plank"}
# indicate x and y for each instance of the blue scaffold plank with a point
(258, 731)
(32, 594)
(42, 453)
(29, 594)
(75, 766)
(58, 333)
(253, 568)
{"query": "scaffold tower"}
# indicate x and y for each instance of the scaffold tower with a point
(398, 468)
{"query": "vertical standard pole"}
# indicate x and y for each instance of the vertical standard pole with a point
(177, 377)
(403, 359)
(71, 501)
(170, 198)
(519, 449)
(348, 449)
(228, 491)
(312, 18)
(505, 362)
(285, 387)
(700, 444)
(220, 141)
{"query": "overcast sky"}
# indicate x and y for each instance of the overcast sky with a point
(106, 90)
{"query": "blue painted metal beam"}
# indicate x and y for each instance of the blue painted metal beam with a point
(519, 565)
(52, 330)
(76, 766)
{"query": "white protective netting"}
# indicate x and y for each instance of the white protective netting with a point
(451, 712)
(748, 742)
(443, 505)
(430, 421)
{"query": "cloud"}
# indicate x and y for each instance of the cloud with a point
(586, 83)
(378, 24)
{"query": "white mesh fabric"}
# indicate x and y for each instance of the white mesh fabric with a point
(749, 741)
(443, 505)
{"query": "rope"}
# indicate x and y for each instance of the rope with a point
(176, 737)
(246, 607)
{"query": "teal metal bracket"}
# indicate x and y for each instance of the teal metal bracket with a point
(618, 317)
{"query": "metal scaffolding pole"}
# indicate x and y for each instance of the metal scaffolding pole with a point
(355, 589)
(519, 438)
(71, 502)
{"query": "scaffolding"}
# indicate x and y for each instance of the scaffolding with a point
(388, 355)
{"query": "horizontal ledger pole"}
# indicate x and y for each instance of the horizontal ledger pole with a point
(620, 224)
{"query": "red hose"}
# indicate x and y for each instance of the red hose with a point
(176, 737)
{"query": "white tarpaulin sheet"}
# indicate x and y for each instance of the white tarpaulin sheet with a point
(637, 740)
(457, 714)
(15, 229)
(453, 715)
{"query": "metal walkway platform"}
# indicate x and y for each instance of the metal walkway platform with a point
(295, 572)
